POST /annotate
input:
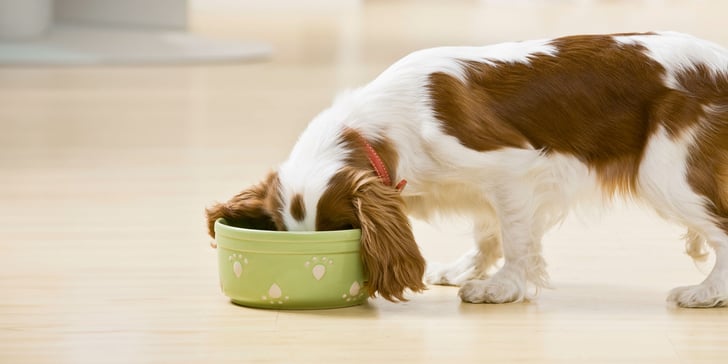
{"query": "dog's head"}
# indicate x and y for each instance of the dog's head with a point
(341, 192)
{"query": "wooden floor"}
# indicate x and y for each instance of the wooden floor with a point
(105, 172)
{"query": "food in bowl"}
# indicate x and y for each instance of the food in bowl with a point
(290, 270)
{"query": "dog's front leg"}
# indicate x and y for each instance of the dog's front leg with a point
(521, 232)
(475, 263)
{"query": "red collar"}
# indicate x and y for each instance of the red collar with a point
(376, 161)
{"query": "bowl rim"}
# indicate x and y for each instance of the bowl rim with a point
(272, 236)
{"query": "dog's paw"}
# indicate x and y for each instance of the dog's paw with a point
(469, 266)
(698, 296)
(436, 274)
(491, 290)
(450, 274)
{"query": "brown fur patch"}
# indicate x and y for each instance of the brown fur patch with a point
(334, 209)
(257, 207)
(594, 100)
(356, 198)
(708, 163)
(704, 97)
(298, 208)
(390, 254)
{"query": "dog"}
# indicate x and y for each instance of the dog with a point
(513, 135)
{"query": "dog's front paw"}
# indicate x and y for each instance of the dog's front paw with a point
(450, 274)
(698, 296)
(469, 266)
(491, 290)
(436, 273)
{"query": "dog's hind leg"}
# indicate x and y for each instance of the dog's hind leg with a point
(475, 263)
(707, 175)
(713, 291)
(685, 180)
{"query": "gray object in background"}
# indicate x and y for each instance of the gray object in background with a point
(86, 32)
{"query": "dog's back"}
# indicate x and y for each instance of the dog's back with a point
(515, 134)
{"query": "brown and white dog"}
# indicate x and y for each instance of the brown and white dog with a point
(514, 135)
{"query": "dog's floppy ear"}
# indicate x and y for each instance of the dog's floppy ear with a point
(254, 208)
(389, 251)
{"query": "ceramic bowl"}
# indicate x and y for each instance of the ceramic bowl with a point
(290, 270)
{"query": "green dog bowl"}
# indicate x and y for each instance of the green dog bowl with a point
(290, 270)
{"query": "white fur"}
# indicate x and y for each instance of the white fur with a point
(317, 149)
(515, 194)
(677, 52)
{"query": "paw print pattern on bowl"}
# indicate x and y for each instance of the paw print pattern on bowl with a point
(275, 295)
(238, 263)
(318, 266)
(355, 293)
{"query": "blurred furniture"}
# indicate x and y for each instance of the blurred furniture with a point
(39, 32)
